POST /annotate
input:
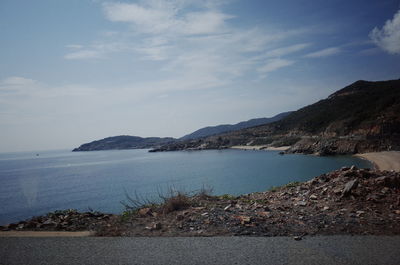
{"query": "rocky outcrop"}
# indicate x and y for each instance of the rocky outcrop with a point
(343, 145)
(66, 220)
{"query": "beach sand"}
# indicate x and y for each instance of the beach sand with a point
(389, 160)
(260, 147)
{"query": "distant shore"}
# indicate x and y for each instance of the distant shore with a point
(260, 147)
(388, 160)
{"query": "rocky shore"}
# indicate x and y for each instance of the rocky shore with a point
(346, 201)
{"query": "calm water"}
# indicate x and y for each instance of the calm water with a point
(33, 185)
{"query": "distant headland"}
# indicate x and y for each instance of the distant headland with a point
(362, 117)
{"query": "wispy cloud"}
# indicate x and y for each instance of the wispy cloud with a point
(324, 53)
(84, 54)
(193, 42)
(17, 81)
(94, 51)
(388, 37)
(275, 64)
(74, 46)
(287, 50)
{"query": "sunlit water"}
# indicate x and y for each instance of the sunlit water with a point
(33, 185)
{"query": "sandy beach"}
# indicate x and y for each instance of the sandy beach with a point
(260, 147)
(389, 160)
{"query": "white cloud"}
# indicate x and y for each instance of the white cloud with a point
(275, 64)
(388, 38)
(166, 16)
(192, 42)
(17, 81)
(324, 53)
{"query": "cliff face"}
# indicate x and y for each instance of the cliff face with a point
(362, 117)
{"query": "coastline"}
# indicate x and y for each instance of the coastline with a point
(260, 147)
(387, 160)
(345, 201)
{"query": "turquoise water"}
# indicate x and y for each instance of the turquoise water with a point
(33, 185)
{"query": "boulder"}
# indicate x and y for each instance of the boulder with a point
(351, 185)
(388, 181)
(145, 212)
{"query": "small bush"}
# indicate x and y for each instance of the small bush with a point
(274, 188)
(227, 197)
(178, 201)
(205, 192)
(292, 184)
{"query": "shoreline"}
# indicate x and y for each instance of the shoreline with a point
(387, 160)
(260, 147)
(345, 201)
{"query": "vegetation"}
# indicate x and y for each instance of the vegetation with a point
(172, 200)
(227, 197)
(292, 184)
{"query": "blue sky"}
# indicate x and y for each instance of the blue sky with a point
(79, 70)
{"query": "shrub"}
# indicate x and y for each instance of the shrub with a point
(175, 202)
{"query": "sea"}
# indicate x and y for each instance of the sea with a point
(35, 183)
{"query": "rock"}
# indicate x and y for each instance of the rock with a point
(302, 203)
(385, 190)
(313, 197)
(337, 191)
(244, 219)
(145, 212)
(297, 238)
(359, 213)
(388, 181)
(48, 222)
(264, 214)
(11, 226)
(351, 185)
(157, 226)
(325, 208)
(227, 207)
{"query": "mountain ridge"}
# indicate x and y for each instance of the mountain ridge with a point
(122, 142)
(223, 128)
(361, 117)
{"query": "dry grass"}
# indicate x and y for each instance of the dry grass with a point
(176, 202)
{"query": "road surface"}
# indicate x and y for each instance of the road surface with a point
(213, 250)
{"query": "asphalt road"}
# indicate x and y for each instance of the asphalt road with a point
(213, 250)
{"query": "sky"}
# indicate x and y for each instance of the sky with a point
(74, 71)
